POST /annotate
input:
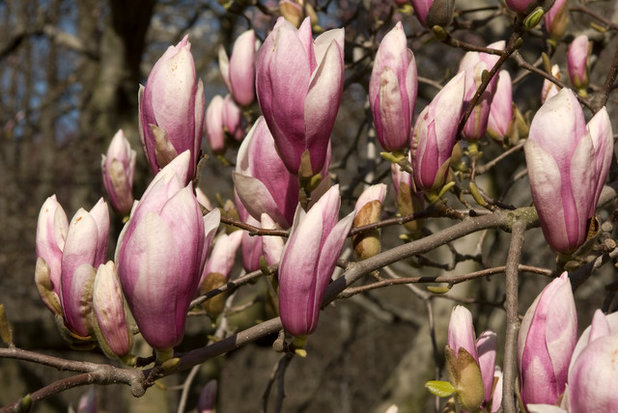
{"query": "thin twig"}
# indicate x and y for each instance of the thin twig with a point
(486, 167)
(182, 404)
(440, 279)
(582, 9)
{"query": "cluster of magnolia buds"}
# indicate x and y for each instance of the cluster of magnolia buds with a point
(163, 258)
(558, 372)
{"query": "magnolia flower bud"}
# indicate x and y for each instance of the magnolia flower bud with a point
(51, 233)
(407, 200)
(221, 259)
(577, 60)
(272, 247)
(546, 340)
(556, 19)
(109, 322)
(239, 70)
(367, 211)
(308, 261)
(462, 359)
(262, 182)
(568, 162)
(501, 109)
(84, 250)
(118, 168)
(392, 90)
(232, 119)
(521, 6)
(171, 108)
(594, 366)
(299, 83)
(214, 125)
(161, 252)
(486, 348)
(434, 135)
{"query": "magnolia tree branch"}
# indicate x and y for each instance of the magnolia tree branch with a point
(348, 292)
(512, 317)
(139, 380)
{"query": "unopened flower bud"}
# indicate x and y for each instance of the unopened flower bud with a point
(367, 211)
(118, 167)
(577, 60)
(546, 340)
(238, 70)
(109, 322)
(171, 108)
(556, 19)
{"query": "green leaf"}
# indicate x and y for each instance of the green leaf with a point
(440, 388)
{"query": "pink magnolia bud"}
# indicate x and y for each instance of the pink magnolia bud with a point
(434, 135)
(407, 199)
(556, 19)
(592, 377)
(232, 119)
(433, 12)
(299, 84)
(110, 324)
(208, 398)
(567, 166)
(308, 261)
(501, 109)
(214, 125)
(118, 170)
(577, 60)
(591, 369)
(263, 183)
(161, 252)
(462, 359)
(521, 6)
(602, 325)
(171, 108)
(461, 332)
(251, 246)
(239, 70)
(474, 64)
(272, 247)
(486, 348)
(392, 90)
(367, 211)
(546, 340)
(550, 89)
(84, 250)
(222, 257)
(51, 233)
